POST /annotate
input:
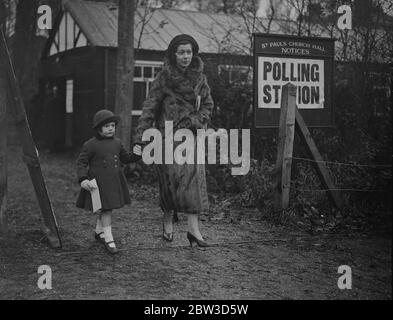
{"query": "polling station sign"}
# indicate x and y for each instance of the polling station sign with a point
(306, 74)
(305, 62)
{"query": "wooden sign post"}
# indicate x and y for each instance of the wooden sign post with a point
(286, 137)
(293, 85)
(30, 153)
(318, 162)
(290, 118)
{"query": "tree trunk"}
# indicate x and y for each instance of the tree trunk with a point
(3, 148)
(125, 70)
(26, 66)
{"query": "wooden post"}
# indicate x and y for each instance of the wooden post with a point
(30, 153)
(3, 148)
(285, 146)
(319, 165)
(125, 70)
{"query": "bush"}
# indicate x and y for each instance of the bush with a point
(362, 135)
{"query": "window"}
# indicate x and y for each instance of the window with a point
(69, 96)
(236, 73)
(144, 74)
(138, 72)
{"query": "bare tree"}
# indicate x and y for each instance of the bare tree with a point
(3, 129)
(23, 43)
(145, 10)
(125, 69)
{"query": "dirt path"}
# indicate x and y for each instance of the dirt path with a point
(250, 259)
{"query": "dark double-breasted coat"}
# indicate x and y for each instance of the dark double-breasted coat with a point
(101, 158)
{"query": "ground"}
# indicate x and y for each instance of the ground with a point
(249, 259)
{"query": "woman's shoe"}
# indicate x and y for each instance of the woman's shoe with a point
(167, 236)
(111, 250)
(193, 239)
(98, 237)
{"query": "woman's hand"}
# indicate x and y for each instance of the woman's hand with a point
(185, 123)
(87, 185)
(196, 121)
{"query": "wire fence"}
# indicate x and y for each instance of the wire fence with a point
(382, 166)
(345, 164)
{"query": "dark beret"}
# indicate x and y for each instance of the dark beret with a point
(181, 38)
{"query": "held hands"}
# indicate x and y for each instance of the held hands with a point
(87, 185)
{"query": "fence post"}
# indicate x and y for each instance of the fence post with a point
(30, 153)
(319, 164)
(285, 146)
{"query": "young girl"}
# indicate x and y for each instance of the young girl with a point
(101, 159)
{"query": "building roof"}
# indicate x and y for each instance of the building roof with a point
(215, 33)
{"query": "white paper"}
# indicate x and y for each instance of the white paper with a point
(198, 102)
(95, 196)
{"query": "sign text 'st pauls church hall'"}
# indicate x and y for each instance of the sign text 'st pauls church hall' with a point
(305, 62)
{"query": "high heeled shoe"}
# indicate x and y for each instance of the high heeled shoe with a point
(167, 236)
(192, 239)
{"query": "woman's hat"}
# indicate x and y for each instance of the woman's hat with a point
(104, 116)
(179, 39)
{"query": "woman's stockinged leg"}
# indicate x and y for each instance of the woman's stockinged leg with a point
(193, 225)
(168, 221)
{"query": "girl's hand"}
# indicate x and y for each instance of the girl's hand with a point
(137, 150)
(87, 185)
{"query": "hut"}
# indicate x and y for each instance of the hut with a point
(78, 69)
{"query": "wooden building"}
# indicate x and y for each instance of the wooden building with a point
(78, 71)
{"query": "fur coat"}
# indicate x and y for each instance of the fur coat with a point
(174, 97)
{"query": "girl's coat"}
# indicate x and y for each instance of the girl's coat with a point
(101, 159)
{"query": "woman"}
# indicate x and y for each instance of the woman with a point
(180, 93)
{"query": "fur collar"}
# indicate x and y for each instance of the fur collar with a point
(176, 76)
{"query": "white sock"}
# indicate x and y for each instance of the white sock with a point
(99, 228)
(108, 235)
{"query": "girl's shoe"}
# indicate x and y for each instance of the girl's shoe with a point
(167, 236)
(98, 237)
(175, 217)
(192, 239)
(111, 250)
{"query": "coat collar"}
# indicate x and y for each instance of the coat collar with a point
(100, 137)
(193, 73)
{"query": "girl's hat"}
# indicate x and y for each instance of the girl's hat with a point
(182, 38)
(104, 116)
